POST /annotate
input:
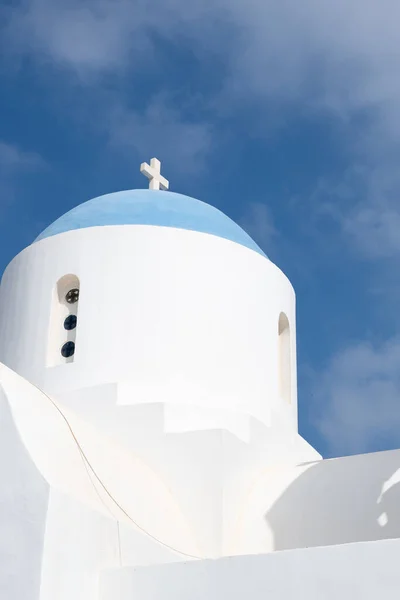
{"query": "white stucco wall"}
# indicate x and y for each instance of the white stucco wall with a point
(74, 502)
(333, 501)
(23, 512)
(366, 570)
(173, 439)
(206, 493)
(95, 470)
(183, 490)
(211, 473)
(181, 317)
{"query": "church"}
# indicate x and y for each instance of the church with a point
(148, 431)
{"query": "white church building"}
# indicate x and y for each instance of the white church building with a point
(148, 421)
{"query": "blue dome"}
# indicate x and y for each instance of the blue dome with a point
(151, 207)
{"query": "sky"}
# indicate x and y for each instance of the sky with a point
(283, 114)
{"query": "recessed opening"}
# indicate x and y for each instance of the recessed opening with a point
(63, 321)
(284, 359)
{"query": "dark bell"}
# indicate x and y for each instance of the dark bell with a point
(72, 296)
(68, 349)
(70, 322)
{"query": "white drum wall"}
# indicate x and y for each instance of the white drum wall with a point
(175, 316)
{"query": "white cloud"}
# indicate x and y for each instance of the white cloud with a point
(258, 223)
(98, 35)
(338, 55)
(375, 229)
(92, 35)
(12, 159)
(160, 130)
(364, 202)
(340, 58)
(15, 162)
(357, 398)
(101, 37)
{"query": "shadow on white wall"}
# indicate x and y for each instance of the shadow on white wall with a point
(340, 501)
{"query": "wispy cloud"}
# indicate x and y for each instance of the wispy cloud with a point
(337, 55)
(374, 221)
(258, 223)
(364, 203)
(101, 40)
(94, 36)
(100, 35)
(335, 58)
(331, 55)
(13, 158)
(14, 163)
(162, 130)
(357, 398)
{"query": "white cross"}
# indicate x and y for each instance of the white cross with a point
(153, 172)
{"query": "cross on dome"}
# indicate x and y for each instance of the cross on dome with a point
(153, 173)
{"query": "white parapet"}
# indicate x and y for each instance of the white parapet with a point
(365, 570)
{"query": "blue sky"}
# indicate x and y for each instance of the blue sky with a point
(285, 115)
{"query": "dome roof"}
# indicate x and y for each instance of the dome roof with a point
(151, 207)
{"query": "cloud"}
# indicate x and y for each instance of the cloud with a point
(13, 159)
(100, 40)
(375, 230)
(258, 223)
(357, 398)
(92, 35)
(364, 203)
(338, 55)
(160, 129)
(14, 164)
(336, 58)
(99, 35)
(374, 221)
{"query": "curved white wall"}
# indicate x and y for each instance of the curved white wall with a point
(173, 316)
(320, 503)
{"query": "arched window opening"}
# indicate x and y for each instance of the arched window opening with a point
(284, 358)
(63, 321)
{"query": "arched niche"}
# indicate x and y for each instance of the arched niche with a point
(284, 359)
(63, 320)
